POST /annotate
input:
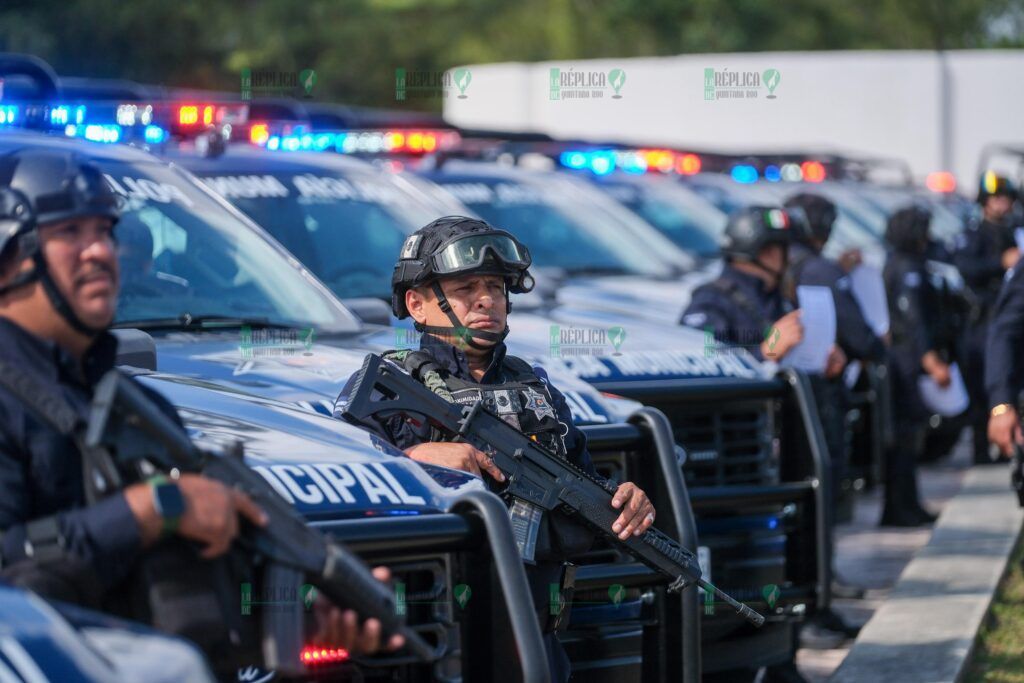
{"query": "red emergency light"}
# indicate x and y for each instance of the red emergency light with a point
(813, 171)
(312, 655)
(941, 181)
(688, 164)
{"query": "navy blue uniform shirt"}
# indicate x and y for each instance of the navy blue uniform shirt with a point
(736, 308)
(853, 333)
(403, 434)
(1004, 358)
(41, 470)
(978, 257)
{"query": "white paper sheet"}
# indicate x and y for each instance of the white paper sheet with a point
(1018, 236)
(868, 288)
(818, 317)
(948, 402)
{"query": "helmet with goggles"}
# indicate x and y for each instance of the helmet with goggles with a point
(452, 246)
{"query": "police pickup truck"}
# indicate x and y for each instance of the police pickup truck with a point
(759, 524)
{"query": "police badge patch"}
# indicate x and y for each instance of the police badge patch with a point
(538, 403)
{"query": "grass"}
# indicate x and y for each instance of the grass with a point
(999, 651)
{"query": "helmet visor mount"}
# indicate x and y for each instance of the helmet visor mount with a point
(469, 252)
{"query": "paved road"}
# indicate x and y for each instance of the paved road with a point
(874, 557)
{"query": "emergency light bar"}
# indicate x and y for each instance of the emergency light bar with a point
(604, 161)
(399, 141)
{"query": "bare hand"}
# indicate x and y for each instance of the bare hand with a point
(784, 334)
(459, 456)
(340, 628)
(637, 510)
(836, 362)
(1004, 431)
(211, 513)
(1010, 257)
(850, 259)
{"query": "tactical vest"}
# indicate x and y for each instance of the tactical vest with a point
(522, 400)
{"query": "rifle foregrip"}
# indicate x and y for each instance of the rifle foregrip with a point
(347, 581)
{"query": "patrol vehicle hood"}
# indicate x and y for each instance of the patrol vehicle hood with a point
(326, 468)
(61, 642)
(601, 346)
(311, 374)
(658, 301)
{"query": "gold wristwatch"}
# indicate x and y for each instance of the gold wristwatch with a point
(1000, 409)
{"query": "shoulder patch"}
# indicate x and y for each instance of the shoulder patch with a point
(695, 319)
(912, 279)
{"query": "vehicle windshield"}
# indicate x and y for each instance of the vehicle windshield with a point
(565, 225)
(185, 256)
(346, 228)
(686, 218)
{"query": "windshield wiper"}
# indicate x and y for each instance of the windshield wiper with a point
(187, 321)
(597, 270)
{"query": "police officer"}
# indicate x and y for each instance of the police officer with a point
(984, 253)
(812, 218)
(1004, 371)
(916, 350)
(59, 281)
(745, 306)
(807, 266)
(454, 277)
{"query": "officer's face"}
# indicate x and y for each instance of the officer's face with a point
(477, 300)
(82, 259)
(997, 206)
(773, 256)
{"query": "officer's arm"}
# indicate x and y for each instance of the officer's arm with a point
(976, 267)
(910, 306)
(706, 314)
(854, 334)
(1004, 369)
(103, 536)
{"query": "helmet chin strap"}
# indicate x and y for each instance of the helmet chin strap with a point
(777, 275)
(58, 300)
(458, 329)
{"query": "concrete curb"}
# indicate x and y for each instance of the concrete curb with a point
(924, 633)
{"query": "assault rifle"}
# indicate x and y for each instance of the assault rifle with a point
(126, 424)
(534, 475)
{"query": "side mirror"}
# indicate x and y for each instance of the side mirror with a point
(135, 348)
(370, 310)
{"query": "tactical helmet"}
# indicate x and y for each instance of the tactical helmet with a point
(751, 228)
(907, 229)
(457, 245)
(992, 185)
(812, 217)
(46, 186)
